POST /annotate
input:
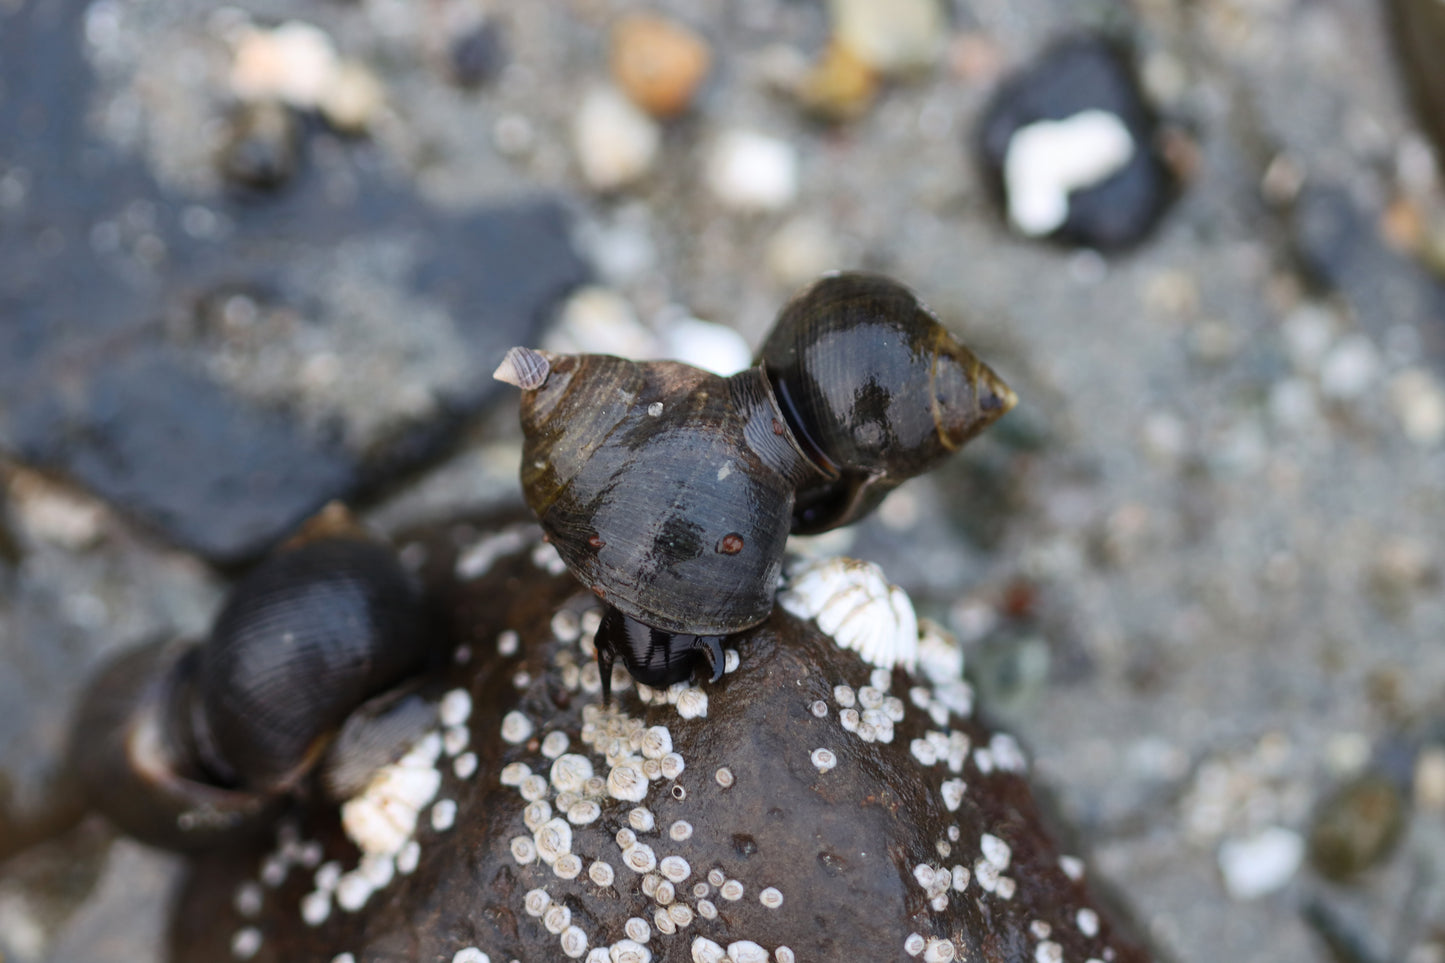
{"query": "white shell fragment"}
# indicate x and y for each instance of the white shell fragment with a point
(1049, 159)
(853, 602)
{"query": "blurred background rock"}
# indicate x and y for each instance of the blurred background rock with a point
(256, 257)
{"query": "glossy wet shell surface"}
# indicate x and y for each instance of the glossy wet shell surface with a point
(304, 639)
(873, 384)
(771, 819)
(642, 476)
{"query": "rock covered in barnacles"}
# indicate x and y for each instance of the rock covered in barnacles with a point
(809, 806)
(1070, 147)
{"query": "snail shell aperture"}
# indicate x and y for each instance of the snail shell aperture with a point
(186, 745)
(671, 491)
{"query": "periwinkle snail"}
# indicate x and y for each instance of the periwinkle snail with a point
(671, 491)
(186, 745)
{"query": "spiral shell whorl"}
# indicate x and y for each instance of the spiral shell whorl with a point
(303, 639)
(876, 388)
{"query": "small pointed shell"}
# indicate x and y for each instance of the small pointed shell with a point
(524, 368)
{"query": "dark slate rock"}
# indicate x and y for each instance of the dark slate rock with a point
(1341, 250)
(478, 54)
(1078, 74)
(96, 264)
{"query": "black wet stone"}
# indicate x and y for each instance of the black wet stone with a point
(478, 54)
(102, 378)
(1075, 75)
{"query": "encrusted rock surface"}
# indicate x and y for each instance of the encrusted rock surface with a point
(808, 802)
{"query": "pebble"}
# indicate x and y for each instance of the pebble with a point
(1260, 864)
(901, 36)
(658, 63)
(838, 87)
(1356, 827)
(1081, 93)
(262, 147)
(1350, 368)
(351, 102)
(1418, 401)
(616, 143)
(750, 171)
(295, 63)
(802, 249)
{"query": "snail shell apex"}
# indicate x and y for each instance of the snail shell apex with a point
(652, 479)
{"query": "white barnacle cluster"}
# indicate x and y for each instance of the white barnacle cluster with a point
(382, 820)
(853, 602)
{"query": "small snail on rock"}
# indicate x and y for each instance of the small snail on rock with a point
(186, 744)
(671, 491)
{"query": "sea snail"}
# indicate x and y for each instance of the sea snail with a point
(187, 745)
(671, 491)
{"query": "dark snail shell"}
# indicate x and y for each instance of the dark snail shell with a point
(645, 478)
(305, 638)
(876, 389)
(132, 756)
(671, 491)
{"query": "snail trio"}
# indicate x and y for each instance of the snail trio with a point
(667, 490)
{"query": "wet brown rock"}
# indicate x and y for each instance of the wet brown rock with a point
(658, 63)
(793, 804)
(1357, 827)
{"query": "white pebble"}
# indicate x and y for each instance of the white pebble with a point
(408, 858)
(246, 943)
(1048, 952)
(616, 143)
(508, 642)
(952, 791)
(1260, 864)
(1088, 922)
(751, 171)
(465, 765)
